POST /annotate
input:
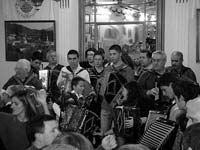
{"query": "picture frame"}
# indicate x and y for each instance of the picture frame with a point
(23, 38)
(198, 35)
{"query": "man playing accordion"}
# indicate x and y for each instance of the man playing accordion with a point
(115, 75)
(131, 114)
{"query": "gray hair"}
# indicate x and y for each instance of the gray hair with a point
(162, 53)
(23, 64)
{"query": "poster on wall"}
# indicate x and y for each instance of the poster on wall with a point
(22, 38)
(198, 37)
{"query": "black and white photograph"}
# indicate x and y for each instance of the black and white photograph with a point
(100, 75)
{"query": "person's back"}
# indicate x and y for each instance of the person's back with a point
(191, 136)
(12, 133)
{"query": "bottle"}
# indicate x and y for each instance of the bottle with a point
(157, 95)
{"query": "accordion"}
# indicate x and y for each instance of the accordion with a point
(71, 119)
(153, 116)
(160, 135)
(121, 113)
(78, 119)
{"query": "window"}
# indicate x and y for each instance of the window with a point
(133, 24)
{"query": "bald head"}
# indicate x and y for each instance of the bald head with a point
(177, 59)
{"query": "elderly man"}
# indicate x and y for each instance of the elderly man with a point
(54, 69)
(23, 76)
(178, 68)
(148, 80)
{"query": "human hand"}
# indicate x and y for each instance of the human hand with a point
(109, 142)
(129, 122)
(5, 97)
(143, 120)
(64, 74)
(153, 91)
(41, 96)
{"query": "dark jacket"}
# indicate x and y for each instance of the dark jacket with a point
(53, 89)
(147, 81)
(184, 72)
(112, 80)
(31, 80)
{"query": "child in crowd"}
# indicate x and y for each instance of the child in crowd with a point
(75, 97)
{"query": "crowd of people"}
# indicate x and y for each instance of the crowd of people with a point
(99, 103)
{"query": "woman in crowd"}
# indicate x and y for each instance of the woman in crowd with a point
(13, 126)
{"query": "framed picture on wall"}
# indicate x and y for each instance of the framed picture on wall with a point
(22, 38)
(198, 36)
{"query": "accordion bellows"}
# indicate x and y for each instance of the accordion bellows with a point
(158, 134)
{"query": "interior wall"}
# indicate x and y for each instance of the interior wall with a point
(66, 30)
(176, 28)
(195, 4)
(180, 31)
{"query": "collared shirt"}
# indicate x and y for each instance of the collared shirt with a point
(71, 74)
(193, 111)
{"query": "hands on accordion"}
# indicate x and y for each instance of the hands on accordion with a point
(121, 115)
